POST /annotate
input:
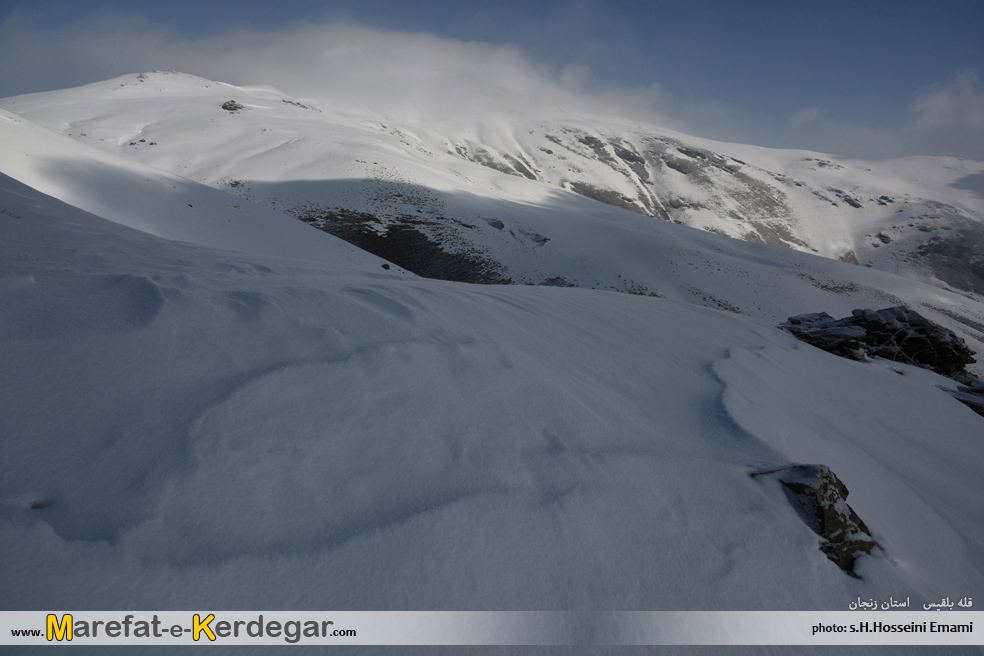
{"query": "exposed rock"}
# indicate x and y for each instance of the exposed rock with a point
(955, 252)
(301, 105)
(897, 334)
(628, 156)
(850, 257)
(409, 242)
(534, 236)
(970, 393)
(605, 195)
(590, 141)
(520, 167)
(680, 165)
(692, 152)
(820, 499)
(485, 158)
(232, 106)
(557, 281)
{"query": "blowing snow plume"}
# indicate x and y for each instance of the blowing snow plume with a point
(391, 73)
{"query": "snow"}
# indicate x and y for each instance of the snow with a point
(291, 157)
(903, 478)
(281, 139)
(226, 408)
(152, 201)
(194, 426)
(301, 156)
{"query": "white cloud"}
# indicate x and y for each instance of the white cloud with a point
(400, 74)
(389, 72)
(957, 104)
(949, 118)
(806, 115)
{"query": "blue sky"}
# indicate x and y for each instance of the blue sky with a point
(865, 78)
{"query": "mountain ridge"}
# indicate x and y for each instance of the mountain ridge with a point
(909, 216)
(441, 214)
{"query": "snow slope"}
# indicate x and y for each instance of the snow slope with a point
(919, 217)
(155, 202)
(193, 427)
(497, 228)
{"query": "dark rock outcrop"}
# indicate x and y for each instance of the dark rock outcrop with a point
(407, 241)
(819, 498)
(897, 334)
(970, 393)
(232, 106)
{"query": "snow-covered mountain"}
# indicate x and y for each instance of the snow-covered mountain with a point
(210, 404)
(469, 223)
(387, 184)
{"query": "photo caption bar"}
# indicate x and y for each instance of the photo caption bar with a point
(491, 628)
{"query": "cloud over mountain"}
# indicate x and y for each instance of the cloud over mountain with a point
(403, 74)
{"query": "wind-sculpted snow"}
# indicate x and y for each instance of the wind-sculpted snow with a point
(900, 453)
(368, 452)
(94, 304)
(304, 435)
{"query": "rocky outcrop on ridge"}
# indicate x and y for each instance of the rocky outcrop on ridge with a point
(819, 498)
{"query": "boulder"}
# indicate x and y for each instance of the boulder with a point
(820, 499)
(898, 333)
